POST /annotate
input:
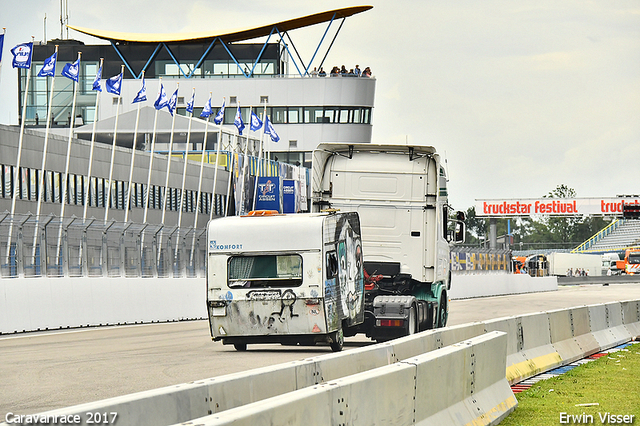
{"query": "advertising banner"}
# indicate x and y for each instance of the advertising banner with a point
(289, 196)
(268, 193)
(553, 206)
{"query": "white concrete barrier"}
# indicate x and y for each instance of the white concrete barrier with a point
(542, 341)
(534, 343)
(529, 350)
(465, 286)
(456, 385)
(33, 304)
(631, 317)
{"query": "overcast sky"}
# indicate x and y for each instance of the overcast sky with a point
(521, 96)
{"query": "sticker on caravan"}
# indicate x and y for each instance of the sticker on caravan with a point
(213, 245)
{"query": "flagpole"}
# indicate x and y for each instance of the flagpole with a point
(4, 32)
(41, 193)
(93, 144)
(243, 194)
(215, 173)
(184, 170)
(195, 220)
(153, 148)
(231, 171)
(260, 170)
(113, 153)
(16, 172)
(66, 167)
(133, 159)
(166, 181)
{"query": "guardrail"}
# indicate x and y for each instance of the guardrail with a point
(358, 378)
(412, 391)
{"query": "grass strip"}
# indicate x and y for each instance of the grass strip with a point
(598, 392)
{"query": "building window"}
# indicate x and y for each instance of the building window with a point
(295, 115)
(278, 115)
(264, 100)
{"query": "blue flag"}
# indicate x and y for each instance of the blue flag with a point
(219, 116)
(114, 84)
(206, 110)
(256, 123)
(269, 130)
(22, 55)
(1, 46)
(72, 71)
(142, 93)
(162, 100)
(171, 106)
(191, 102)
(96, 82)
(238, 121)
(49, 67)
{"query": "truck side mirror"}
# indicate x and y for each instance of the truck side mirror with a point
(458, 235)
(460, 232)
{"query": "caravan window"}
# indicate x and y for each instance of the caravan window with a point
(265, 271)
(332, 265)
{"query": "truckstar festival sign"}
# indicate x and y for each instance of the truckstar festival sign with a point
(554, 206)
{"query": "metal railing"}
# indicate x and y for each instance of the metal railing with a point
(48, 246)
(597, 237)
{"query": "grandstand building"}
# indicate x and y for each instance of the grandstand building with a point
(305, 109)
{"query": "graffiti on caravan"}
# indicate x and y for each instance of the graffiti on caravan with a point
(553, 206)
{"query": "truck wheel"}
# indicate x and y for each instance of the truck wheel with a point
(240, 346)
(442, 311)
(411, 329)
(337, 340)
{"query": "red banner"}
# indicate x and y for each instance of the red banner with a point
(553, 206)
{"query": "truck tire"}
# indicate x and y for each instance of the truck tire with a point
(337, 340)
(443, 315)
(411, 327)
(240, 346)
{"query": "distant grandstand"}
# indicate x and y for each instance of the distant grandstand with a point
(618, 236)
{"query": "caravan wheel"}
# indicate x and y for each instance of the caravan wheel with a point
(337, 340)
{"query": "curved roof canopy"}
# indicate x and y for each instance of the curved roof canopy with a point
(235, 36)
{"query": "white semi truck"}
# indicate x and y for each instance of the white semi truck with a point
(400, 194)
(372, 258)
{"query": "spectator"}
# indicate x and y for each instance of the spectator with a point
(322, 72)
(335, 71)
(366, 72)
(37, 119)
(343, 71)
(357, 71)
(314, 73)
(351, 73)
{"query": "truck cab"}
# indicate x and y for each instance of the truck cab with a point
(632, 261)
(400, 194)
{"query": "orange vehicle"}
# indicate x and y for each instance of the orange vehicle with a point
(518, 262)
(631, 263)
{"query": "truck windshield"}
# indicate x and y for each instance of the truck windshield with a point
(265, 271)
(634, 258)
